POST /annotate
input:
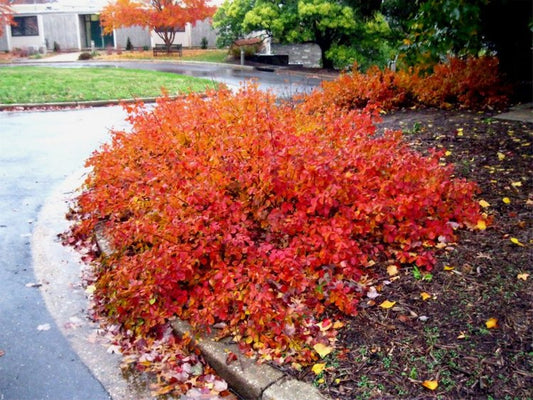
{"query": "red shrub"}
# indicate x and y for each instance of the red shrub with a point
(473, 83)
(233, 209)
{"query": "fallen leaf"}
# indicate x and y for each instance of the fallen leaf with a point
(387, 304)
(43, 327)
(322, 349)
(372, 292)
(501, 156)
(448, 153)
(448, 268)
(318, 368)
(461, 336)
(523, 276)
(90, 289)
(338, 324)
(506, 200)
(516, 184)
(425, 296)
(460, 132)
(484, 203)
(517, 242)
(431, 385)
(2, 353)
(325, 325)
(231, 357)
(491, 323)
(392, 270)
(481, 225)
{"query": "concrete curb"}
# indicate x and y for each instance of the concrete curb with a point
(249, 379)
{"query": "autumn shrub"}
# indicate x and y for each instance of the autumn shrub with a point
(232, 210)
(472, 83)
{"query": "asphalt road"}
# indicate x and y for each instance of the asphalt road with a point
(38, 151)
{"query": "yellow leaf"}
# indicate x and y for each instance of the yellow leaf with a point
(387, 304)
(322, 349)
(461, 336)
(392, 270)
(483, 203)
(516, 184)
(321, 381)
(506, 200)
(431, 385)
(460, 132)
(523, 276)
(481, 225)
(425, 296)
(337, 381)
(338, 324)
(517, 242)
(318, 368)
(491, 323)
(448, 153)
(501, 156)
(448, 268)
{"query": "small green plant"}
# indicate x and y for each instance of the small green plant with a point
(419, 276)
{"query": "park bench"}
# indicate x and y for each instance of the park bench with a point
(162, 49)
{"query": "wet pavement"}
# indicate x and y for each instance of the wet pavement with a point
(37, 152)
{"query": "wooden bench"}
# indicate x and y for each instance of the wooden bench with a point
(162, 49)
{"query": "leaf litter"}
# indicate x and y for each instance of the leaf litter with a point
(472, 338)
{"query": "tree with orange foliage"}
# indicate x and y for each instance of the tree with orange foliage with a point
(6, 16)
(165, 17)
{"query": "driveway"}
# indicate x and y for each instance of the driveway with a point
(37, 152)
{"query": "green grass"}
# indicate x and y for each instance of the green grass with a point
(46, 85)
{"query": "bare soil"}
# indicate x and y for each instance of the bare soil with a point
(448, 338)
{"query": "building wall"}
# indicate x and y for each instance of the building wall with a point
(306, 54)
(61, 29)
(139, 37)
(29, 42)
(203, 29)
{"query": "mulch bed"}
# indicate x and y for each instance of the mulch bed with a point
(389, 353)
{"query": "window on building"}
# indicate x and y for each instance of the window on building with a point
(25, 26)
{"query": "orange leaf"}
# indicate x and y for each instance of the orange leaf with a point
(491, 323)
(425, 296)
(431, 385)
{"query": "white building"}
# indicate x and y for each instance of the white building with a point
(43, 25)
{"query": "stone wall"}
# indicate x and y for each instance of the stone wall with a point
(305, 54)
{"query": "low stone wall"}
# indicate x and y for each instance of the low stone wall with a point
(305, 54)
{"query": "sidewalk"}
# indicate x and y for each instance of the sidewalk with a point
(63, 57)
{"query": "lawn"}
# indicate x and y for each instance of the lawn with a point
(207, 55)
(47, 85)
